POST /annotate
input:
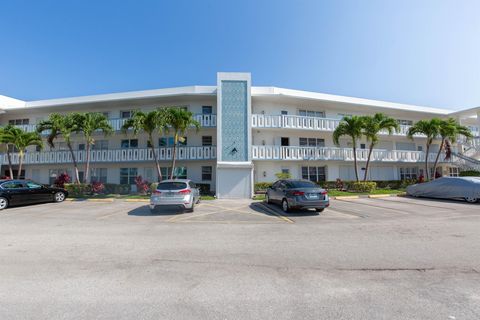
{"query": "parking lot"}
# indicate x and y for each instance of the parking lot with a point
(380, 258)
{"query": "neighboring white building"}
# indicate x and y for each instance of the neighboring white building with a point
(248, 135)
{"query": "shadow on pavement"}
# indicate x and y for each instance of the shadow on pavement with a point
(275, 210)
(144, 211)
(440, 200)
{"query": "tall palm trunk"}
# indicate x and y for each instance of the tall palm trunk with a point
(355, 158)
(86, 178)
(368, 162)
(157, 164)
(427, 174)
(174, 156)
(20, 164)
(74, 160)
(9, 157)
(436, 159)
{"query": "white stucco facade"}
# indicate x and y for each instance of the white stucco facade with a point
(248, 135)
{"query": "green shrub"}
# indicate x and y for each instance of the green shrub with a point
(470, 173)
(283, 175)
(361, 186)
(117, 188)
(78, 189)
(406, 183)
(153, 186)
(259, 186)
(204, 189)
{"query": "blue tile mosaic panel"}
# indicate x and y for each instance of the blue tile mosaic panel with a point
(234, 121)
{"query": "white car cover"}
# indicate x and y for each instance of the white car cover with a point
(447, 188)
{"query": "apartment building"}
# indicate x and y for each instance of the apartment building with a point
(247, 135)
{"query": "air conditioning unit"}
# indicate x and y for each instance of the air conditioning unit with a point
(263, 112)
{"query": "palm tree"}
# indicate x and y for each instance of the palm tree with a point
(180, 120)
(372, 125)
(150, 122)
(21, 140)
(350, 126)
(448, 132)
(5, 139)
(429, 128)
(88, 124)
(61, 125)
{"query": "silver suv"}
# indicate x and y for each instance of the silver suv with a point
(178, 192)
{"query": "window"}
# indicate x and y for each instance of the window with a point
(284, 113)
(419, 148)
(165, 142)
(207, 110)
(310, 113)
(81, 146)
(13, 185)
(454, 172)
(166, 171)
(362, 146)
(33, 185)
(180, 172)
(182, 141)
(207, 173)
(126, 114)
(408, 173)
(100, 145)
(405, 122)
(312, 142)
(98, 175)
(314, 174)
(129, 143)
(38, 148)
(207, 140)
(18, 122)
(286, 171)
(128, 175)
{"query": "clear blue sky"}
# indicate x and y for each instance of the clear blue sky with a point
(419, 52)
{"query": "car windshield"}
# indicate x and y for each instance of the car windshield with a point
(171, 186)
(303, 184)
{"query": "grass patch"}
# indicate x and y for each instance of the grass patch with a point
(207, 198)
(336, 193)
(259, 197)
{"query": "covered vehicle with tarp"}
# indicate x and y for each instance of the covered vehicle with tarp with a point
(467, 188)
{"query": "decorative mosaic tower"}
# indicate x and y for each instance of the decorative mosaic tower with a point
(234, 136)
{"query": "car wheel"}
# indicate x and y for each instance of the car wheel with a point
(59, 197)
(319, 209)
(267, 198)
(3, 203)
(471, 199)
(285, 206)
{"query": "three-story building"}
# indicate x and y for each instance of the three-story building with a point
(247, 135)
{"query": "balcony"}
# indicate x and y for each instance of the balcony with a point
(338, 154)
(306, 123)
(113, 156)
(205, 120)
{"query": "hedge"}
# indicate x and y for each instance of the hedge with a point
(363, 186)
(259, 186)
(78, 189)
(470, 173)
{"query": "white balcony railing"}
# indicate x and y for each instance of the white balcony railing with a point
(305, 123)
(116, 155)
(340, 154)
(206, 120)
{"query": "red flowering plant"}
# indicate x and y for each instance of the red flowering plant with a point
(61, 180)
(97, 187)
(142, 185)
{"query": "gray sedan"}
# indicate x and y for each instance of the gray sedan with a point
(297, 194)
(467, 188)
(178, 192)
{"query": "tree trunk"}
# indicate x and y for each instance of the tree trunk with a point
(427, 174)
(174, 155)
(157, 164)
(75, 165)
(9, 157)
(86, 177)
(20, 163)
(355, 160)
(368, 162)
(436, 159)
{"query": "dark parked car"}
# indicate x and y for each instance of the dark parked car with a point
(297, 194)
(16, 192)
(467, 188)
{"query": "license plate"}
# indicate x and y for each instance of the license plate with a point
(169, 194)
(312, 196)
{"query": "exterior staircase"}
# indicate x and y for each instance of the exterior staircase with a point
(469, 159)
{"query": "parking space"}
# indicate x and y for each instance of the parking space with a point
(246, 211)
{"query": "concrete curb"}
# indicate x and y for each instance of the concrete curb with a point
(137, 200)
(90, 200)
(373, 196)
